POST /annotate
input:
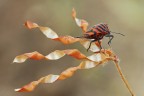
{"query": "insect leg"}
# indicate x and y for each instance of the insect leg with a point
(100, 45)
(90, 44)
(111, 37)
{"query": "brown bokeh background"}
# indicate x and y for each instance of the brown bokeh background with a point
(125, 16)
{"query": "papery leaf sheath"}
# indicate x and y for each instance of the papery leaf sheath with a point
(87, 63)
(49, 33)
(80, 22)
(57, 54)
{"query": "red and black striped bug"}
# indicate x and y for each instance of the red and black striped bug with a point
(97, 32)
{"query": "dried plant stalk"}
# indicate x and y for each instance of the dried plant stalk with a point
(123, 78)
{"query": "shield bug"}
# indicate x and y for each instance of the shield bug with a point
(97, 32)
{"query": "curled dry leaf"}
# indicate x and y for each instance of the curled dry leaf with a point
(89, 62)
(67, 39)
(94, 46)
(59, 54)
(80, 22)
(30, 25)
(52, 56)
(49, 33)
(33, 55)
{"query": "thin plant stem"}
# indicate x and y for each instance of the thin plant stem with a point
(123, 78)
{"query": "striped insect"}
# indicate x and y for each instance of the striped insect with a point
(97, 32)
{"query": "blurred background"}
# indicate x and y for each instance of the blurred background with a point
(124, 16)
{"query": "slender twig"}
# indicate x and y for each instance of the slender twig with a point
(123, 78)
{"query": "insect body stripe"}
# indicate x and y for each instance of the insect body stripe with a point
(101, 27)
(97, 31)
(95, 34)
(104, 26)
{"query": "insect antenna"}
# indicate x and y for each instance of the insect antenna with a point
(118, 33)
